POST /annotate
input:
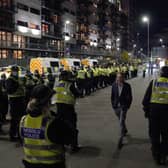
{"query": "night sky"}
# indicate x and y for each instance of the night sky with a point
(158, 12)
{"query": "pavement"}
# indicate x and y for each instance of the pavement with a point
(99, 135)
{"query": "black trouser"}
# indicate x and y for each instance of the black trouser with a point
(81, 85)
(3, 109)
(17, 110)
(88, 86)
(68, 114)
(144, 74)
(158, 131)
(58, 165)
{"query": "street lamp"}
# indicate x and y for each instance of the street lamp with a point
(161, 41)
(118, 39)
(67, 22)
(146, 19)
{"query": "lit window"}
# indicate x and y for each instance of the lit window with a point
(17, 54)
(3, 54)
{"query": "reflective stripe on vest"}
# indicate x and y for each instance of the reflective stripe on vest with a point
(160, 91)
(63, 93)
(37, 147)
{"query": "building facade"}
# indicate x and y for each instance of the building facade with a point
(49, 28)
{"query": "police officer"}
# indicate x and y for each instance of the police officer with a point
(50, 79)
(144, 70)
(66, 94)
(29, 85)
(81, 77)
(156, 110)
(16, 94)
(44, 136)
(3, 102)
(38, 78)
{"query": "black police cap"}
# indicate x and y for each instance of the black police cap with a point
(42, 93)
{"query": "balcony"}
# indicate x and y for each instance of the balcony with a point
(28, 46)
(90, 52)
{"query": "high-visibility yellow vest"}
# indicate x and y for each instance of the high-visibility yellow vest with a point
(64, 94)
(131, 68)
(20, 92)
(124, 69)
(95, 72)
(160, 91)
(81, 74)
(37, 147)
(88, 73)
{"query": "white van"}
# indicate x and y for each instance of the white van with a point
(44, 64)
(69, 63)
(89, 62)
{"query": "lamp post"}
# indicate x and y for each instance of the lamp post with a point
(161, 41)
(146, 19)
(66, 35)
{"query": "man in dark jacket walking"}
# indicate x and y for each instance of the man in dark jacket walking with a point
(121, 99)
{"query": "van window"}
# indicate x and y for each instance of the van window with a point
(54, 64)
(76, 63)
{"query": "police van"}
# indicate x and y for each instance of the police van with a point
(69, 63)
(89, 62)
(43, 65)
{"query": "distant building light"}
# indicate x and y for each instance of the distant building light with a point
(67, 38)
(118, 49)
(95, 44)
(22, 29)
(67, 22)
(108, 46)
(91, 43)
(134, 46)
(118, 39)
(35, 32)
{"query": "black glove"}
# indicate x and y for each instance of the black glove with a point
(146, 110)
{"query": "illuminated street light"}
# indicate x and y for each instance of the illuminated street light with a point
(67, 38)
(146, 19)
(118, 39)
(67, 22)
(134, 46)
(161, 40)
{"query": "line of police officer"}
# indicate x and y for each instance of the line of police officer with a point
(16, 92)
(90, 79)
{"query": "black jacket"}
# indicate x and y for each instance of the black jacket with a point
(12, 85)
(125, 99)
